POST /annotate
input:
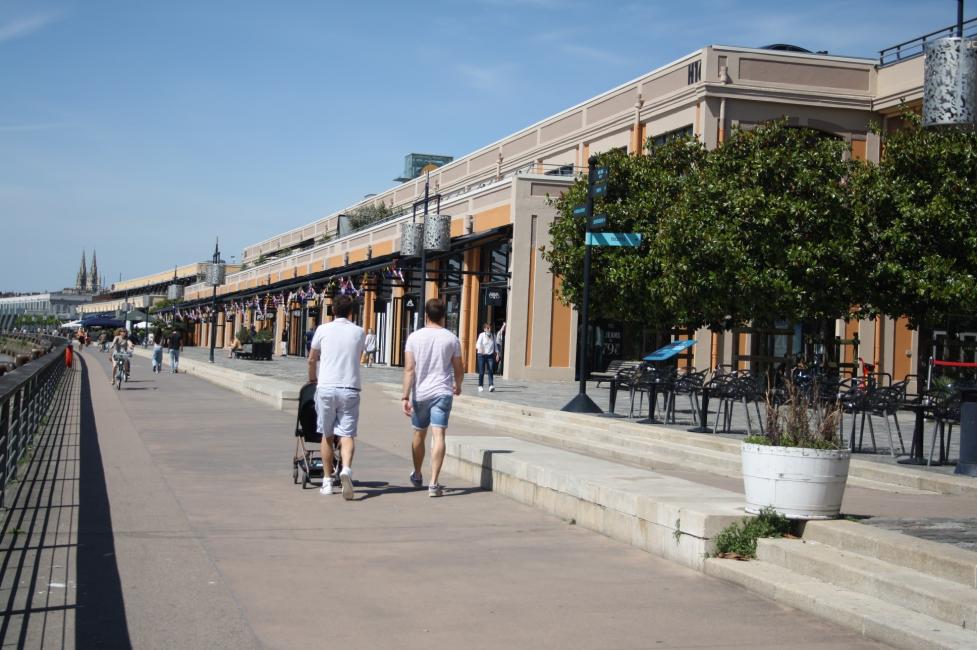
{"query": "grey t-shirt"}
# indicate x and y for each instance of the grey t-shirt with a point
(433, 349)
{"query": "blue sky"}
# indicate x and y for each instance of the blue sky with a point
(144, 129)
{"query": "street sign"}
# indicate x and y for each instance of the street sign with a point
(597, 222)
(598, 190)
(580, 211)
(627, 239)
(600, 174)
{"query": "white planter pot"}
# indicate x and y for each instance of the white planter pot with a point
(798, 483)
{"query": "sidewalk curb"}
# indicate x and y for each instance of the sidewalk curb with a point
(282, 395)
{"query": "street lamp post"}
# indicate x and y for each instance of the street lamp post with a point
(215, 277)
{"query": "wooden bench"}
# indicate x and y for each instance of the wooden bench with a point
(615, 368)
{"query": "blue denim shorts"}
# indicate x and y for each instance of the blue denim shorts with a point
(433, 412)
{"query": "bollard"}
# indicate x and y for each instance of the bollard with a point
(967, 465)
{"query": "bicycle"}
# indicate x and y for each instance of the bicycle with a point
(119, 372)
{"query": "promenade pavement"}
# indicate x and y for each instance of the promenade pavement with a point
(555, 394)
(944, 518)
(168, 514)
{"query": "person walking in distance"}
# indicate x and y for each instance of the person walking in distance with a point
(485, 349)
(433, 373)
(371, 348)
(285, 341)
(334, 365)
(175, 340)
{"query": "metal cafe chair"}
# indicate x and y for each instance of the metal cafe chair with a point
(946, 413)
(689, 384)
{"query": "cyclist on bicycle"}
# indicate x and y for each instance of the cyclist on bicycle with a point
(120, 345)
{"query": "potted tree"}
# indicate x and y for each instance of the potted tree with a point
(797, 466)
(262, 344)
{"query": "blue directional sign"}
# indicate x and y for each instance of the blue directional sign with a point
(629, 239)
(597, 222)
(600, 174)
(598, 190)
(580, 211)
(672, 349)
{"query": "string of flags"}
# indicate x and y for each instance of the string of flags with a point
(262, 304)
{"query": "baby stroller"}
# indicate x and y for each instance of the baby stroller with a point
(309, 461)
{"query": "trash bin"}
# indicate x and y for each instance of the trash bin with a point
(967, 465)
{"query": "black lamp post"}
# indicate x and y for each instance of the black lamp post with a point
(215, 277)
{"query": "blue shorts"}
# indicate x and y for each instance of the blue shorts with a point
(433, 412)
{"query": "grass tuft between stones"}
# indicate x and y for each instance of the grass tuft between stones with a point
(739, 539)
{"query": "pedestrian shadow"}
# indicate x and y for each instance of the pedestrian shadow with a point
(378, 488)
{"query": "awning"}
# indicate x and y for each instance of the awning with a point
(101, 321)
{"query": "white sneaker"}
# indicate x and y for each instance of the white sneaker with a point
(435, 490)
(326, 488)
(491, 388)
(346, 478)
(480, 389)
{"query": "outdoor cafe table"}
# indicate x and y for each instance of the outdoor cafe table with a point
(663, 353)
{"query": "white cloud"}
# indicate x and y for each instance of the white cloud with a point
(484, 77)
(594, 54)
(21, 27)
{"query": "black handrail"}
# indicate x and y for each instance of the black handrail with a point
(914, 47)
(25, 397)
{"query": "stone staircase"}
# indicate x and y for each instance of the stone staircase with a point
(659, 447)
(904, 591)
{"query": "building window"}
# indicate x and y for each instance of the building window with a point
(563, 170)
(694, 72)
(665, 138)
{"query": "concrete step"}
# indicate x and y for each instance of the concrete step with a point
(948, 601)
(667, 516)
(872, 617)
(934, 559)
(643, 452)
(862, 473)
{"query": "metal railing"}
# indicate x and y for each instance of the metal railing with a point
(914, 47)
(25, 397)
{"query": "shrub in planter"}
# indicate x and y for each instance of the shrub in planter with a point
(797, 467)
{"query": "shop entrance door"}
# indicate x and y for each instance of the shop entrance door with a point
(492, 308)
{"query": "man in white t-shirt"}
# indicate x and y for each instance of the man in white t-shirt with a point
(433, 372)
(334, 363)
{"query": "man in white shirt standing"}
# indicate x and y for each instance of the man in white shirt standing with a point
(433, 373)
(334, 363)
(485, 348)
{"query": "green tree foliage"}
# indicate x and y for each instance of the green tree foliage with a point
(764, 232)
(366, 215)
(919, 205)
(626, 281)
(758, 230)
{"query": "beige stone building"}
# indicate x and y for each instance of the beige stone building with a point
(498, 200)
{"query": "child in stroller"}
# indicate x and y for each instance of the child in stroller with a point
(308, 460)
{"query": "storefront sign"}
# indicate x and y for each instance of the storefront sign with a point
(493, 297)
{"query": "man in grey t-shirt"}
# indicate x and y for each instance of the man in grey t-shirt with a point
(433, 372)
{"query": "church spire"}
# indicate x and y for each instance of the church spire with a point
(81, 281)
(93, 275)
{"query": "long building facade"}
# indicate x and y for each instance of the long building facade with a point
(499, 199)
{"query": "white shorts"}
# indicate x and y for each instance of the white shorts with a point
(338, 411)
